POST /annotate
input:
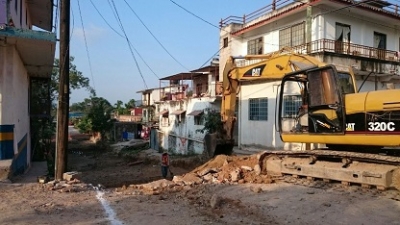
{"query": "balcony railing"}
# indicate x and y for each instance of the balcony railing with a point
(327, 45)
(385, 7)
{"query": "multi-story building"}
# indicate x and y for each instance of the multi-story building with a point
(362, 35)
(27, 48)
(183, 101)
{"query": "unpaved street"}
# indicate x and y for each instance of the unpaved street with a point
(279, 201)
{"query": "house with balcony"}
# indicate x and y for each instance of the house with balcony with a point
(362, 36)
(185, 98)
(27, 48)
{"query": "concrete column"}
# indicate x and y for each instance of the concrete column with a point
(309, 27)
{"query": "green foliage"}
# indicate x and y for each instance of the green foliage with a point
(97, 116)
(212, 122)
(121, 110)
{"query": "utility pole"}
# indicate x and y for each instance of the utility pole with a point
(63, 97)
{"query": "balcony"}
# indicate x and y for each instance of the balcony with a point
(349, 49)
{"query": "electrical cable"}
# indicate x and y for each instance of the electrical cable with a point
(86, 45)
(119, 34)
(127, 39)
(158, 41)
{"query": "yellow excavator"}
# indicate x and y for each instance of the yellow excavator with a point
(353, 126)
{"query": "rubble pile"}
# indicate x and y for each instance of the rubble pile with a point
(67, 186)
(220, 170)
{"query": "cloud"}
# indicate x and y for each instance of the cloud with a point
(92, 33)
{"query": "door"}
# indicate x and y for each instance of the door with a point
(316, 103)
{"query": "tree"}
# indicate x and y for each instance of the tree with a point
(131, 104)
(97, 116)
(76, 79)
(43, 96)
(119, 108)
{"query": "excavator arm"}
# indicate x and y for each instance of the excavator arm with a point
(263, 67)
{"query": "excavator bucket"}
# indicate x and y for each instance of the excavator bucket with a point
(213, 145)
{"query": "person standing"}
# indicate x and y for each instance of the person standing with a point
(164, 164)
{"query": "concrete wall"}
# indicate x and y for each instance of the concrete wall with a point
(19, 14)
(180, 136)
(14, 87)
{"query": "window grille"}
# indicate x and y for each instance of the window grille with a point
(292, 36)
(291, 105)
(255, 46)
(258, 109)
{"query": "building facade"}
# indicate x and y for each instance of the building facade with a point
(180, 110)
(348, 34)
(27, 48)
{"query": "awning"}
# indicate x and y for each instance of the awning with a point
(195, 112)
(164, 113)
(178, 112)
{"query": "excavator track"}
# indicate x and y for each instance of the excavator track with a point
(366, 169)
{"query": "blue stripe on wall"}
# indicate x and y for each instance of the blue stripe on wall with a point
(7, 145)
(20, 162)
(6, 128)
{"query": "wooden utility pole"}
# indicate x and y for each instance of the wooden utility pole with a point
(63, 97)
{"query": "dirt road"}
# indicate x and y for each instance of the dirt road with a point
(284, 201)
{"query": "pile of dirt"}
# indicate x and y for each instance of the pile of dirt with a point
(220, 170)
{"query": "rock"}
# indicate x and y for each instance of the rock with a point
(68, 176)
(191, 178)
(207, 171)
(208, 177)
(256, 189)
(257, 169)
(177, 179)
(235, 175)
(241, 181)
(327, 204)
(215, 201)
(246, 168)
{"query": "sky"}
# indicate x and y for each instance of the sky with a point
(111, 67)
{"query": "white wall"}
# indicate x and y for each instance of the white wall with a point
(15, 9)
(184, 132)
(260, 133)
(14, 87)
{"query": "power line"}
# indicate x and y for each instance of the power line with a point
(141, 21)
(86, 45)
(119, 34)
(191, 13)
(127, 39)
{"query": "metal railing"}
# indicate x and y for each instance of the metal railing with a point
(276, 4)
(345, 48)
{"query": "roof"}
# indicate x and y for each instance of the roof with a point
(195, 112)
(178, 112)
(182, 76)
(377, 7)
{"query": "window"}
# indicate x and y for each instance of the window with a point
(292, 36)
(291, 105)
(225, 42)
(255, 46)
(380, 44)
(342, 39)
(258, 109)
(199, 119)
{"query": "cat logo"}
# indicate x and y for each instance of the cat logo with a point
(255, 71)
(324, 124)
(350, 126)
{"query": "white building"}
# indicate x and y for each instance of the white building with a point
(26, 57)
(180, 110)
(340, 32)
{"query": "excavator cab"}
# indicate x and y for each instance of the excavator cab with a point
(312, 102)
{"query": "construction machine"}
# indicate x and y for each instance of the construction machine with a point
(353, 126)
